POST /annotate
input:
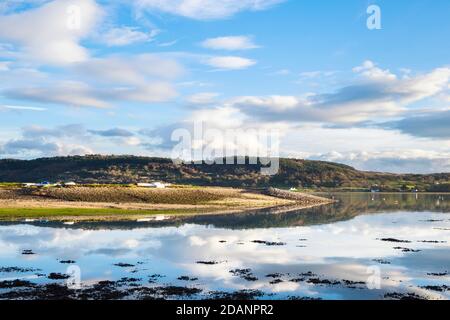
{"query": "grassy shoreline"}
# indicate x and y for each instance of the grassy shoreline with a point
(76, 214)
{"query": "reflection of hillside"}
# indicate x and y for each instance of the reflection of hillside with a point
(349, 205)
(249, 220)
(361, 203)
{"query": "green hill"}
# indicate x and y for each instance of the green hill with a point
(292, 173)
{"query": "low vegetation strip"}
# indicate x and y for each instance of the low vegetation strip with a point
(132, 195)
(66, 213)
(126, 202)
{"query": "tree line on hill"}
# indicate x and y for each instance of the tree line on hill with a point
(293, 173)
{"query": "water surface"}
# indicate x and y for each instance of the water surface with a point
(398, 245)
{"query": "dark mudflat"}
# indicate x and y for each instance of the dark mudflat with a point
(268, 243)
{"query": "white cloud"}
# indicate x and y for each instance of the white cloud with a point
(18, 74)
(308, 75)
(367, 148)
(369, 70)
(115, 132)
(199, 84)
(282, 72)
(118, 136)
(168, 43)
(312, 109)
(396, 161)
(205, 9)
(223, 117)
(132, 141)
(44, 34)
(275, 103)
(102, 81)
(230, 43)
(223, 127)
(7, 50)
(4, 65)
(80, 94)
(36, 147)
(424, 85)
(17, 146)
(382, 96)
(127, 35)
(312, 123)
(157, 91)
(137, 69)
(66, 93)
(203, 98)
(230, 62)
(71, 130)
(73, 139)
(363, 148)
(21, 108)
(434, 124)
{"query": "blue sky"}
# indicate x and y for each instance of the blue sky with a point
(86, 76)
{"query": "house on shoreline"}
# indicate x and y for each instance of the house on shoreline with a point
(46, 184)
(157, 185)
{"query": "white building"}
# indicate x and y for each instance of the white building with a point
(29, 185)
(158, 185)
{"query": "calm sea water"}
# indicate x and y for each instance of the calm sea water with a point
(366, 246)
